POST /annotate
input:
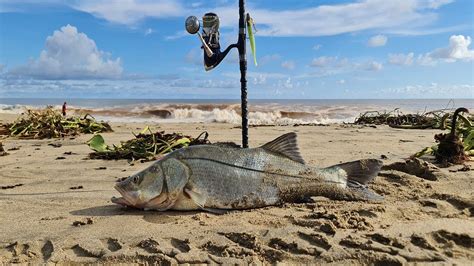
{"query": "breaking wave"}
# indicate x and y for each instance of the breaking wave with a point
(263, 112)
(267, 114)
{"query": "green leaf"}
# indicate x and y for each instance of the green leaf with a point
(97, 143)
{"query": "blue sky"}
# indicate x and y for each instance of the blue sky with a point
(306, 49)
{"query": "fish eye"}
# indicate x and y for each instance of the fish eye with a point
(135, 179)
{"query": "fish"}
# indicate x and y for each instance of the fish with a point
(219, 178)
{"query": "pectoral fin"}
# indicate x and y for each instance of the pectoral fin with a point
(198, 198)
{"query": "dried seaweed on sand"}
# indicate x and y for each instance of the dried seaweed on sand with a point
(50, 123)
(457, 145)
(146, 145)
(397, 119)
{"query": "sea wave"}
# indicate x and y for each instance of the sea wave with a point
(267, 114)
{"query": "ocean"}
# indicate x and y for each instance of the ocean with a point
(261, 112)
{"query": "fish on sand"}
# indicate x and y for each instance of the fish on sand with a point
(218, 178)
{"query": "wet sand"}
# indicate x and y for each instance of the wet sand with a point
(55, 207)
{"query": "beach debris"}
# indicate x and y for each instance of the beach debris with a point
(218, 178)
(60, 158)
(84, 222)
(50, 123)
(55, 144)
(76, 187)
(16, 148)
(2, 150)
(464, 168)
(417, 167)
(454, 147)
(11, 186)
(433, 119)
(146, 145)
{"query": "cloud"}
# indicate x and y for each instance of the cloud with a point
(70, 54)
(286, 84)
(435, 4)
(260, 79)
(317, 47)
(432, 90)
(149, 31)
(130, 12)
(326, 20)
(373, 66)
(425, 60)
(458, 49)
(342, 81)
(177, 35)
(290, 65)
(322, 20)
(194, 56)
(323, 61)
(377, 41)
(401, 59)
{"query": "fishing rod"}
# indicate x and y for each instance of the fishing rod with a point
(213, 54)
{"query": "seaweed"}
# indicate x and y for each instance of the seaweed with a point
(396, 119)
(457, 145)
(147, 145)
(50, 123)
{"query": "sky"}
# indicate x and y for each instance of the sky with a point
(311, 49)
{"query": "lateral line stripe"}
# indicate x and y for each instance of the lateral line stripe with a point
(254, 170)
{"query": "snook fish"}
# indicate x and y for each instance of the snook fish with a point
(216, 178)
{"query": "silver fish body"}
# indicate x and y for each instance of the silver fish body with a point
(213, 177)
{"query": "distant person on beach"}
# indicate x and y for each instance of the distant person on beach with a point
(64, 109)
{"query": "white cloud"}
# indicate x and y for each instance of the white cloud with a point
(377, 41)
(290, 65)
(435, 4)
(429, 91)
(260, 79)
(130, 12)
(325, 20)
(194, 56)
(342, 81)
(323, 61)
(286, 84)
(322, 20)
(401, 59)
(70, 54)
(425, 60)
(177, 35)
(373, 66)
(458, 49)
(149, 31)
(317, 47)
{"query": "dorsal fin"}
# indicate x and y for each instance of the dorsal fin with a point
(285, 145)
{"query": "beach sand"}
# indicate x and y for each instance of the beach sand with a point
(45, 220)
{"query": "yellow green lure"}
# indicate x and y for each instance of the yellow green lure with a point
(250, 25)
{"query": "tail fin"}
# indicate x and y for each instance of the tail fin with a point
(359, 174)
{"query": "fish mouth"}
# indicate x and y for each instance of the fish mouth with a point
(125, 200)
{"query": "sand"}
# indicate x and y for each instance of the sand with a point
(55, 207)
